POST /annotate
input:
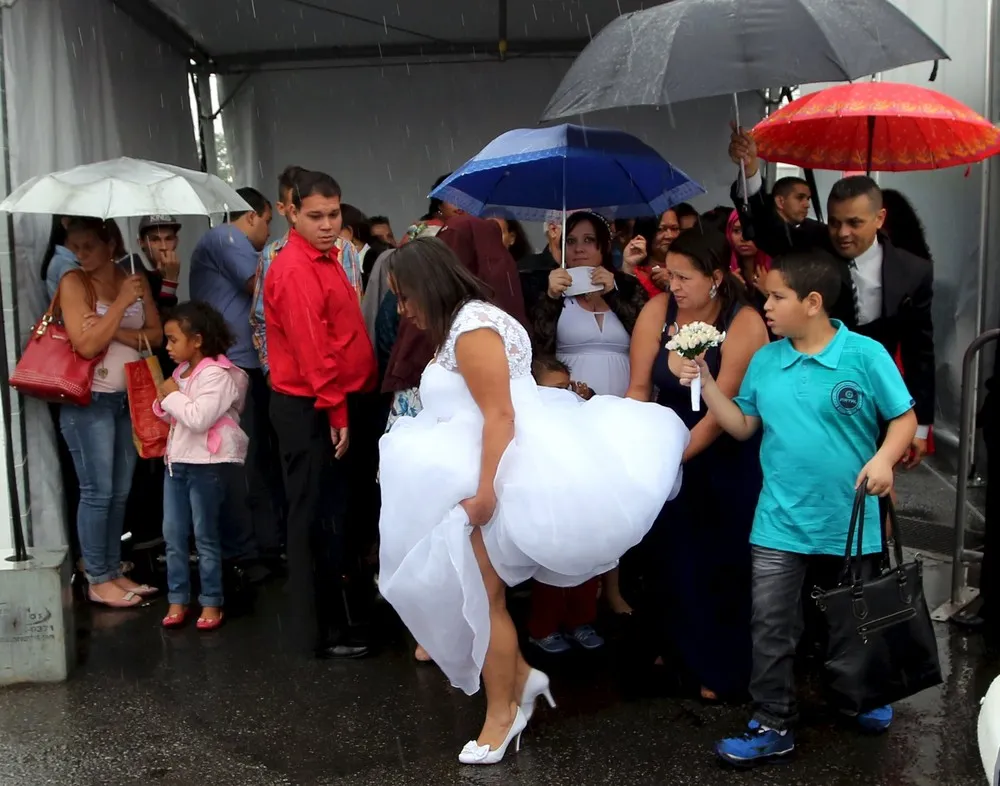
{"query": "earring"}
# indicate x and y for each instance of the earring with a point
(714, 291)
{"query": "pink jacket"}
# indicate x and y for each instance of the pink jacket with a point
(204, 419)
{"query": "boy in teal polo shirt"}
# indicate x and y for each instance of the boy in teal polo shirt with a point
(820, 394)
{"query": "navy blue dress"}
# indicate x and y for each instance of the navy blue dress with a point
(700, 545)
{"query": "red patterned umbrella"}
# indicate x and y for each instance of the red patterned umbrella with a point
(876, 126)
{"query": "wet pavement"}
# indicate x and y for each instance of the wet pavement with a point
(235, 708)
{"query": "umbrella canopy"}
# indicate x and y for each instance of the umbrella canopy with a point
(876, 126)
(125, 187)
(689, 49)
(528, 172)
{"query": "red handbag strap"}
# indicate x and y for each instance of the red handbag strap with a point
(54, 311)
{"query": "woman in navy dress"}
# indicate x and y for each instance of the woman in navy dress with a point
(696, 559)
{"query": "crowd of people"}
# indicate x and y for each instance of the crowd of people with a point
(501, 401)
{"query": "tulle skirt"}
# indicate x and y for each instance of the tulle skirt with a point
(580, 484)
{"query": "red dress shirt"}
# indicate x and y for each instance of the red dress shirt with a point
(318, 346)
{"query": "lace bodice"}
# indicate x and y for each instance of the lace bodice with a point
(475, 315)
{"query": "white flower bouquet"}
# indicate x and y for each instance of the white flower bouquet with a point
(689, 342)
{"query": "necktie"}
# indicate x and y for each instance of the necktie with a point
(855, 296)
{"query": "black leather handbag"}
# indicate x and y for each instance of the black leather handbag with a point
(881, 647)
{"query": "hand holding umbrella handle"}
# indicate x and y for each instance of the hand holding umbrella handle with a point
(745, 213)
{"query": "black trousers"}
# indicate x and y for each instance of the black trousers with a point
(315, 488)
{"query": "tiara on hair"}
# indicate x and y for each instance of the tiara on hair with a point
(595, 214)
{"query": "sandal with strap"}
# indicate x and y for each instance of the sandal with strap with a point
(128, 601)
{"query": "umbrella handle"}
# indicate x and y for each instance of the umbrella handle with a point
(746, 215)
(743, 167)
(562, 239)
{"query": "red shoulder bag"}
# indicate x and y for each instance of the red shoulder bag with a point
(49, 368)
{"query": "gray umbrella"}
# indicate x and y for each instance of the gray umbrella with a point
(689, 49)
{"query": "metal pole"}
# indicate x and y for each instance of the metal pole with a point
(202, 86)
(965, 438)
(6, 402)
(985, 210)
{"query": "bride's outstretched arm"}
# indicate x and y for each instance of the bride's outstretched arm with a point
(482, 362)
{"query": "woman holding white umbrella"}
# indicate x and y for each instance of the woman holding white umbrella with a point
(104, 311)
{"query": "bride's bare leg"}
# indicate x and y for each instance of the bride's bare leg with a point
(500, 668)
(523, 670)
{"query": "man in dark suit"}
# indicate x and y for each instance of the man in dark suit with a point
(886, 292)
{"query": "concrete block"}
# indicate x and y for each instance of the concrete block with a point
(37, 631)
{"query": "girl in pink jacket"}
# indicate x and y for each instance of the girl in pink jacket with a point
(202, 403)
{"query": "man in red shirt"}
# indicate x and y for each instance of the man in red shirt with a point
(320, 354)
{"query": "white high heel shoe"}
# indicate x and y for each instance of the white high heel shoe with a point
(473, 753)
(536, 685)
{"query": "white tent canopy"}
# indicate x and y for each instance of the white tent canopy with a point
(386, 96)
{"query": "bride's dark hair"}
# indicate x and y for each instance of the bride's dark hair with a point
(427, 273)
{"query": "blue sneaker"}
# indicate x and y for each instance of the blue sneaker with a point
(553, 644)
(587, 638)
(756, 746)
(876, 721)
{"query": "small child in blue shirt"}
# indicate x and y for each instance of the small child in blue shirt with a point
(820, 395)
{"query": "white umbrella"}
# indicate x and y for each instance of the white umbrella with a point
(125, 187)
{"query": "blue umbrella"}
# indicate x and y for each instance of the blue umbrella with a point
(529, 172)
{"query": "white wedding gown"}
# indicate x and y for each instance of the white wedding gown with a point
(580, 484)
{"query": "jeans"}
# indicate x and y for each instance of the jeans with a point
(777, 623)
(99, 438)
(192, 500)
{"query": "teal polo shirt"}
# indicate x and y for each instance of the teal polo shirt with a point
(820, 416)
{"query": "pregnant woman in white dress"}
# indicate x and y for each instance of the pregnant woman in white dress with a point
(467, 505)
(590, 333)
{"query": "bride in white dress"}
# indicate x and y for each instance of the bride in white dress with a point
(492, 485)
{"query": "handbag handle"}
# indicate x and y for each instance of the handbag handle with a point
(852, 568)
(54, 312)
(897, 536)
(858, 524)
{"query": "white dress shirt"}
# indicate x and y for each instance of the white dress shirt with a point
(866, 272)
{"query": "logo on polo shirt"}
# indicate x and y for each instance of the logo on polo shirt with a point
(847, 398)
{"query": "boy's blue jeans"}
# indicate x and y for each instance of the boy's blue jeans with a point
(779, 578)
(99, 438)
(192, 501)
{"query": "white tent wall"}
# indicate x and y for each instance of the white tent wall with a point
(948, 201)
(386, 133)
(84, 84)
